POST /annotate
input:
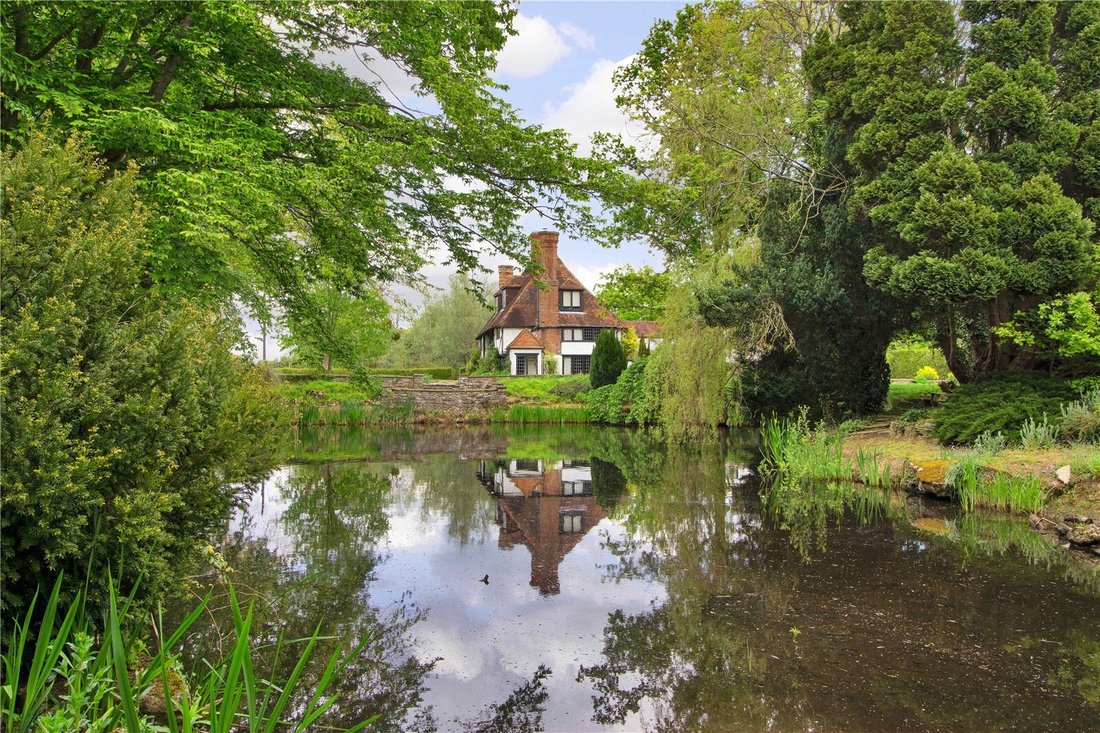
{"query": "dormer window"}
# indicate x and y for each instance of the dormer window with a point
(570, 300)
(502, 299)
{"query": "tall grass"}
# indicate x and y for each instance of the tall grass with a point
(531, 414)
(870, 470)
(74, 678)
(791, 447)
(1038, 434)
(1000, 492)
(353, 412)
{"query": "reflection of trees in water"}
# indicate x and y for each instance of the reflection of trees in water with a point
(883, 629)
(332, 522)
(520, 712)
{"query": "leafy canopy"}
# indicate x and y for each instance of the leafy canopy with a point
(276, 160)
(634, 293)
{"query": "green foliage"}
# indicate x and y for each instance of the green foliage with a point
(443, 331)
(1066, 326)
(608, 359)
(1000, 403)
(1080, 419)
(533, 414)
(126, 423)
(548, 389)
(621, 403)
(630, 343)
(1000, 492)
(343, 331)
(76, 679)
(491, 363)
(990, 444)
(926, 374)
(271, 172)
(549, 365)
(1038, 434)
(964, 157)
(634, 293)
(904, 360)
(793, 450)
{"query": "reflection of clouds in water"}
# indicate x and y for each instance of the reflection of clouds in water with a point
(492, 637)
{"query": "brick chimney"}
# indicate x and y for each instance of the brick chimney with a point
(505, 273)
(544, 250)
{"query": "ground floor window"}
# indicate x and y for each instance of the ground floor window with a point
(527, 364)
(575, 364)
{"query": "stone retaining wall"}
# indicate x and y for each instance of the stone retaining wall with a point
(473, 396)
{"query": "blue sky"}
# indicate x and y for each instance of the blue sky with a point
(558, 70)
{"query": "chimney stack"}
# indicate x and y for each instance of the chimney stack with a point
(505, 274)
(544, 250)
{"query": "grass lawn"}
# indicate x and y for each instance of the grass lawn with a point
(537, 389)
(332, 391)
(904, 395)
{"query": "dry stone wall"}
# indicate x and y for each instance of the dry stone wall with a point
(465, 397)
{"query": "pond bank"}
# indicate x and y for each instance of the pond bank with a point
(1067, 476)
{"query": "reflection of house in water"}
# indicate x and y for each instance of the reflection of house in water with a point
(547, 506)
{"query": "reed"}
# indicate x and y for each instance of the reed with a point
(790, 446)
(547, 414)
(66, 676)
(871, 470)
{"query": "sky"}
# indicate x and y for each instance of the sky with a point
(558, 71)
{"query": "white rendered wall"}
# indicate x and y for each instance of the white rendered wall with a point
(512, 358)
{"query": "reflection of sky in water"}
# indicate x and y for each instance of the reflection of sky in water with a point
(490, 638)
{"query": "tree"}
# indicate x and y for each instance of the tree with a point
(608, 359)
(974, 162)
(445, 329)
(634, 293)
(630, 343)
(127, 424)
(275, 159)
(355, 331)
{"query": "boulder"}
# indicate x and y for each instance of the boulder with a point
(929, 477)
(1076, 519)
(1064, 475)
(1084, 535)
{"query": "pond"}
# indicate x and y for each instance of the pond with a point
(574, 579)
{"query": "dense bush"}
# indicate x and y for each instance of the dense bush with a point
(608, 359)
(927, 374)
(1000, 402)
(572, 387)
(125, 423)
(615, 404)
(1080, 419)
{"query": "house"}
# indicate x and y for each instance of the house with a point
(547, 313)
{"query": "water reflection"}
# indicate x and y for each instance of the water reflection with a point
(633, 585)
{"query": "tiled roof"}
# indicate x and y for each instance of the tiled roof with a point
(644, 329)
(523, 311)
(525, 341)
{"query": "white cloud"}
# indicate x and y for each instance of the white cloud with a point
(536, 47)
(590, 107)
(589, 276)
(579, 36)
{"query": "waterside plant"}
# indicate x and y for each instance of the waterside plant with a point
(71, 674)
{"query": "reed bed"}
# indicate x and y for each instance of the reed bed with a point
(546, 414)
(61, 673)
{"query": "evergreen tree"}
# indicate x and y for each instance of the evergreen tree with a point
(608, 359)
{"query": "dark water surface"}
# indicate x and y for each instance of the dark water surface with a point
(634, 586)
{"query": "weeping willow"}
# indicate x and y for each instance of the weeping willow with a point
(692, 384)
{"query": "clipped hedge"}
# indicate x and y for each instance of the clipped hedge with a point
(906, 361)
(1001, 402)
(310, 374)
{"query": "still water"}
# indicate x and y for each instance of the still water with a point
(577, 579)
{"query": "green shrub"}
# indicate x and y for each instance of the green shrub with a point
(572, 387)
(614, 404)
(126, 422)
(990, 444)
(906, 361)
(1000, 402)
(549, 365)
(1038, 434)
(608, 359)
(927, 374)
(1080, 419)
